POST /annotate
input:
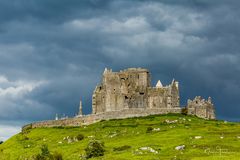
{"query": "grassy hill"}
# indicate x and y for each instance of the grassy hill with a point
(152, 137)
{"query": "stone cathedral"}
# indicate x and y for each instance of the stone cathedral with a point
(131, 89)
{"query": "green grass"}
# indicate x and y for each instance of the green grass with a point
(131, 132)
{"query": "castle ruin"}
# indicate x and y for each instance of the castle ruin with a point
(131, 88)
(129, 93)
(201, 108)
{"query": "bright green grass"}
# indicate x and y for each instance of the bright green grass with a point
(132, 132)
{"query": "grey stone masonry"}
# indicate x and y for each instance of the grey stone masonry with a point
(201, 108)
(129, 93)
(131, 88)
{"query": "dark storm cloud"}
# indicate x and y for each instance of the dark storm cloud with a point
(52, 53)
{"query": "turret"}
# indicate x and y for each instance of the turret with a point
(209, 100)
(80, 113)
(177, 83)
(107, 70)
(56, 117)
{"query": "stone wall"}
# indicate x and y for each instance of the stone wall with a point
(57, 123)
(89, 119)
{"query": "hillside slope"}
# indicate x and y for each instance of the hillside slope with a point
(152, 137)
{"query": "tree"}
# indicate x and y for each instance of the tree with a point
(94, 149)
(184, 111)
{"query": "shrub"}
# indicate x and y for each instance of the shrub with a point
(122, 148)
(184, 111)
(57, 156)
(25, 138)
(45, 154)
(1, 142)
(59, 127)
(44, 150)
(39, 157)
(26, 129)
(149, 129)
(94, 149)
(80, 137)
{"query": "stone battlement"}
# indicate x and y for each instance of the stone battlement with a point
(135, 70)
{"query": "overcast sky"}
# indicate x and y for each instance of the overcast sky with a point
(52, 53)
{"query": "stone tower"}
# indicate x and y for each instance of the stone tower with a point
(80, 113)
(56, 117)
(131, 88)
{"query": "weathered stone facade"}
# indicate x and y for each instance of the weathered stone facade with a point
(129, 93)
(201, 108)
(131, 88)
